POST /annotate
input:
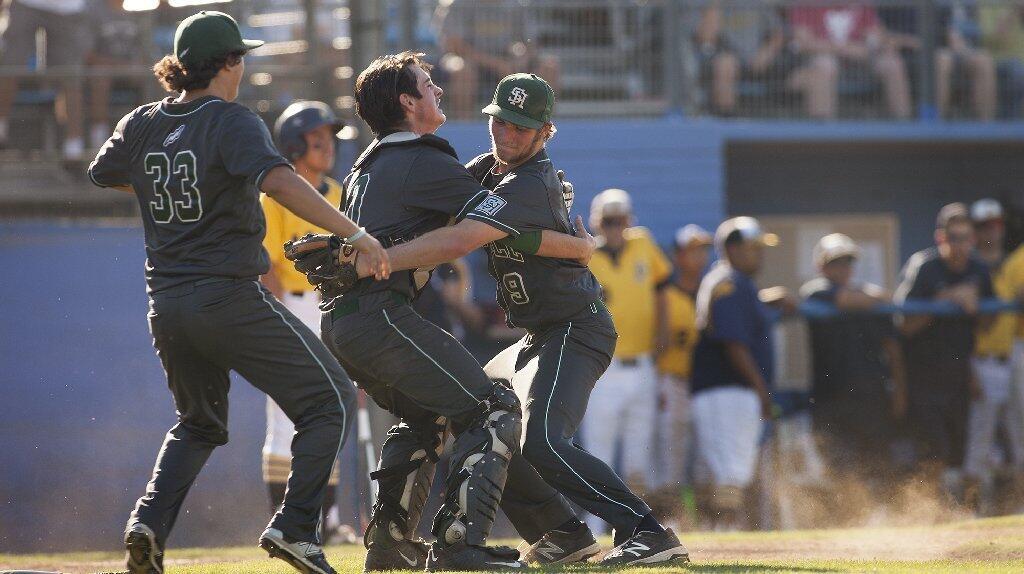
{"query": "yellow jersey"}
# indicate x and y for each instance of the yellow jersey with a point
(997, 340)
(1012, 275)
(629, 281)
(283, 225)
(677, 358)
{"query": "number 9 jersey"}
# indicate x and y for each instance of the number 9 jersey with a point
(196, 168)
(534, 291)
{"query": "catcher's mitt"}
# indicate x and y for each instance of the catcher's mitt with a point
(328, 263)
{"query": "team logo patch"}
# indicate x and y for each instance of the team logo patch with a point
(490, 206)
(175, 135)
(517, 97)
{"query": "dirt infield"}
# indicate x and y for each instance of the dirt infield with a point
(995, 545)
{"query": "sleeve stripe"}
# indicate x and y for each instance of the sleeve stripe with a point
(92, 178)
(470, 204)
(493, 223)
(263, 173)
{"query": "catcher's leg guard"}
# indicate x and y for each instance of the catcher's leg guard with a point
(403, 477)
(480, 460)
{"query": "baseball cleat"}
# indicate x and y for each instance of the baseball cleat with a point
(560, 547)
(403, 555)
(461, 557)
(646, 547)
(306, 557)
(142, 553)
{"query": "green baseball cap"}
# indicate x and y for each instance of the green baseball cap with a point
(522, 99)
(209, 34)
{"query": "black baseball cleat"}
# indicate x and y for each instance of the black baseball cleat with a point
(402, 555)
(561, 547)
(461, 557)
(646, 547)
(142, 553)
(306, 557)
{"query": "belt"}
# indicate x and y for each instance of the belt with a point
(351, 305)
(298, 293)
(1000, 358)
(630, 362)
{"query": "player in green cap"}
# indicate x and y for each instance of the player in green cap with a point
(569, 343)
(197, 163)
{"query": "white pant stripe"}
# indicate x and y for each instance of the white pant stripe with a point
(424, 353)
(341, 402)
(547, 434)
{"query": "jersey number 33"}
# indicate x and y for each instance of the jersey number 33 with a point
(175, 191)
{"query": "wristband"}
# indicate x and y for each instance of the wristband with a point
(356, 236)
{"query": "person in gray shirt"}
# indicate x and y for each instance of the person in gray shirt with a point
(197, 163)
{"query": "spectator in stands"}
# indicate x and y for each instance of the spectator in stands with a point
(629, 266)
(1002, 34)
(992, 368)
(956, 53)
(737, 43)
(849, 37)
(116, 40)
(676, 332)
(858, 387)
(733, 367)
(485, 41)
(938, 347)
(66, 45)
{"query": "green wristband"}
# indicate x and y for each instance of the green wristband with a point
(528, 242)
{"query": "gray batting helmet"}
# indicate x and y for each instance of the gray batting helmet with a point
(299, 119)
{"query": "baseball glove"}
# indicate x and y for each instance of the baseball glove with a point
(328, 263)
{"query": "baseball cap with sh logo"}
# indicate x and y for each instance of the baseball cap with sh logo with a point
(522, 99)
(209, 34)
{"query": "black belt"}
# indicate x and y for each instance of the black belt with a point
(630, 362)
(349, 305)
(298, 293)
(1001, 359)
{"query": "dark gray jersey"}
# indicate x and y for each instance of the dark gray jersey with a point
(401, 187)
(196, 169)
(534, 291)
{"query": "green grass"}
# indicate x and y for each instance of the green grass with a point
(984, 546)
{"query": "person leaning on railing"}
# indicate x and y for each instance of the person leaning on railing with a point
(938, 347)
(858, 390)
(994, 402)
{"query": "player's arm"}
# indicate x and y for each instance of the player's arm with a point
(553, 244)
(296, 195)
(441, 245)
(111, 168)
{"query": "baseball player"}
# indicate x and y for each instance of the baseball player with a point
(676, 327)
(196, 163)
(305, 134)
(569, 343)
(732, 365)
(407, 183)
(629, 266)
(991, 365)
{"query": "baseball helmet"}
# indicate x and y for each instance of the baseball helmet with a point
(297, 120)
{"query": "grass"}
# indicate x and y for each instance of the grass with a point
(985, 546)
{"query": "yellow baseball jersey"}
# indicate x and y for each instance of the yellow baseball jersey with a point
(677, 359)
(283, 225)
(629, 281)
(1012, 275)
(997, 340)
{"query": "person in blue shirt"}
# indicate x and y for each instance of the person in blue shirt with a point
(732, 367)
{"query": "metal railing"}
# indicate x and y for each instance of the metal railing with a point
(796, 59)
